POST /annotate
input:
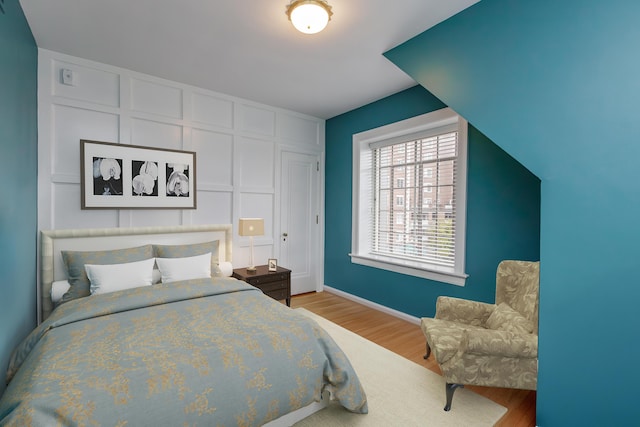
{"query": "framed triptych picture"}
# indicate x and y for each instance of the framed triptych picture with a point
(118, 176)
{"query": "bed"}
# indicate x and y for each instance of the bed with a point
(190, 351)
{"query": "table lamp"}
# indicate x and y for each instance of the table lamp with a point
(251, 227)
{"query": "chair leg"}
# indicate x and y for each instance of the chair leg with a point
(426, 356)
(450, 388)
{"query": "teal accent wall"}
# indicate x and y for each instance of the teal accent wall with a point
(18, 192)
(557, 85)
(503, 212)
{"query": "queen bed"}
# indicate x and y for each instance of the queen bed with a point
(130, 346)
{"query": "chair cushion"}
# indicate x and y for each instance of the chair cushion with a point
(505, 318)
(443, 336)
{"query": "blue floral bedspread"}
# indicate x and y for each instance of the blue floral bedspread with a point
(202, 352)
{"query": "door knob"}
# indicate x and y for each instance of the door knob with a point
(284, 237)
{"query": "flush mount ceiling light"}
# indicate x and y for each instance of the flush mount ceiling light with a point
(309, 16)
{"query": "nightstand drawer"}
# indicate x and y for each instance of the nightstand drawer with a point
(273, 286)
(260, 280)
(277, 294)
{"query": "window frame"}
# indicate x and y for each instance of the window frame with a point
(362, 198)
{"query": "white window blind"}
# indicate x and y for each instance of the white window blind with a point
(427, 229)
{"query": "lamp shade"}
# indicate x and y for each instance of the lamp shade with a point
(251, 227)
(309, 16)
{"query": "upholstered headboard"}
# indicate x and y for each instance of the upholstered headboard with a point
(95, 239)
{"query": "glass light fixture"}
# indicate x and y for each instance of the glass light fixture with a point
(309, 16)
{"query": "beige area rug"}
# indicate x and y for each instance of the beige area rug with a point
(399, 392)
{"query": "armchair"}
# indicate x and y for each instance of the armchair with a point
(489, 344)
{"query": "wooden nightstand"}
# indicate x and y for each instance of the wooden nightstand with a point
(276, 284)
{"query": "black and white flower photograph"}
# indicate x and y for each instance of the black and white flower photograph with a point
(145, 178)
(125, 176)
(177, 179)
(107, 177)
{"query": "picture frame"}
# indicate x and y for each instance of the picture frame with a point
(121, 176)
(272, 264)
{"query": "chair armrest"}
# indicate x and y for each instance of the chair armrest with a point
(499, 343)
(459, 310)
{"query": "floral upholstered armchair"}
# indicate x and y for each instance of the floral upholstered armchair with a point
(489, 344)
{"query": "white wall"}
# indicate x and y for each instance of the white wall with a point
(237, 144)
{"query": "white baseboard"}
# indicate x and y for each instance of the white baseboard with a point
(371, 304)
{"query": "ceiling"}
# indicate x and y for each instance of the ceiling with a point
(246, 48)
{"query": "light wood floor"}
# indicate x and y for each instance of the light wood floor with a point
(407, 340)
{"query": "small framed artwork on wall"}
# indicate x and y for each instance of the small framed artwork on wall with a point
(118, 176)
(273, 264)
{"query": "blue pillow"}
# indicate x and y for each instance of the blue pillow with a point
(77, 276)
(183, 251)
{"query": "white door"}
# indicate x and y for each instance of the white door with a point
(299, 216)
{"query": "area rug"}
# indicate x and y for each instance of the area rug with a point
(399, 391)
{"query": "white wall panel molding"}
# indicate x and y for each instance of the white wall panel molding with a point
(214, 187)
(125, 114)
(156, 134)
(215, 156)
(292, 147)
(45, 133)
(84, 105)
(66, 212)
(299, 130)
(150, 117)
(214, 207)
(155, 98)
(62, 178)
(187, 143)
(160, 217)
(257, 120)
(212, 110)
(86, 83)
(237, 143)
(255, 163)
(70, 124)
(187, 95)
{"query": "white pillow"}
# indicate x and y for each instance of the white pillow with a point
(226, 269)
(58, 289)
(194, 267)
(116, 277)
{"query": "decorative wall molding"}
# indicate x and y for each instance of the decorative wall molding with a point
(237, 142)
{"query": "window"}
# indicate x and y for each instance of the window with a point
(427, 155)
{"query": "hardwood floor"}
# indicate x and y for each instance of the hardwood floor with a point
(407, 340)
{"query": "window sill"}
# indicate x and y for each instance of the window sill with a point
(410, 268)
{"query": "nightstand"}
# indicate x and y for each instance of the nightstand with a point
(276, 284)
